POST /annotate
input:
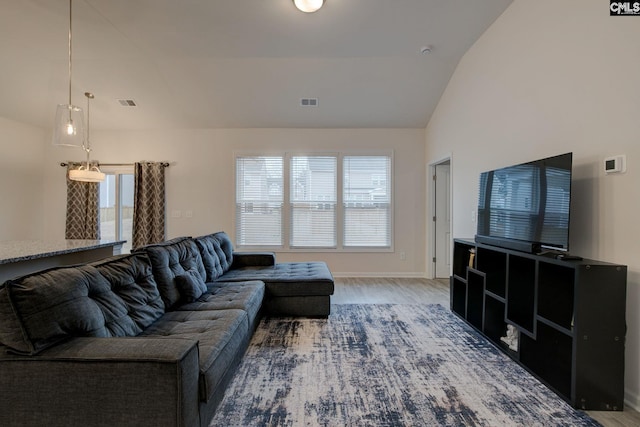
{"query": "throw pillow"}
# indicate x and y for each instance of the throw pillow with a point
(190, 285)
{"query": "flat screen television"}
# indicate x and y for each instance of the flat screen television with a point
(526, 207)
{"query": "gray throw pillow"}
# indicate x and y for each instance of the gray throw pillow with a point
(190, 285)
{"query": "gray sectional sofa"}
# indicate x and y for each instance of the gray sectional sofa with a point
(146, 339)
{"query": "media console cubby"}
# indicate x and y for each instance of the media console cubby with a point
(521, 291)
(569, 316)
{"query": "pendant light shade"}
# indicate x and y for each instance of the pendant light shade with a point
(69, 125)
(308, 5)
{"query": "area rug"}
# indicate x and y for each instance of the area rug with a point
(384, 365)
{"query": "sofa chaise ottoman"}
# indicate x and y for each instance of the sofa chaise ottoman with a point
(291, 288)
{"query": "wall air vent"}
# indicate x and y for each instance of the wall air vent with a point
(127, 102)
(309, 102)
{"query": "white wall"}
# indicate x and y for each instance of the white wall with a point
(547, 78)
(201, 179)
(21, 180)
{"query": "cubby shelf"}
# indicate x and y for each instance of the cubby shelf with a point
(569, 317)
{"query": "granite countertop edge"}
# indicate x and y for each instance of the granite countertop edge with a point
(25, 250)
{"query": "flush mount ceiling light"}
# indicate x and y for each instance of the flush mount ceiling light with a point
(308, 5)
(69, 125)
(87, 172)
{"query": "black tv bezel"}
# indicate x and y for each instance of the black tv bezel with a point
(529, 246)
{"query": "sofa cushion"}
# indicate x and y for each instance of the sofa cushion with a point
(209, 251)
(288, 278)
(170, 259)
(44, 308)
(226, 258)
(221, 334)
(190, 285)
(217, 254)
(245, 296)
(132, 280)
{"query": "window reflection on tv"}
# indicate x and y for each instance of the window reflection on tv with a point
(528, 202)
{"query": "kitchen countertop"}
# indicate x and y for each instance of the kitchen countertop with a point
(25, 250)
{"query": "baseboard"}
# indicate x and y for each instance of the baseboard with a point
(631, 400)
(381, 275)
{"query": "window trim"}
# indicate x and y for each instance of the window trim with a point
(286, 210)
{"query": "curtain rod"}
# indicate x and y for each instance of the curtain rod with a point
(65, 164)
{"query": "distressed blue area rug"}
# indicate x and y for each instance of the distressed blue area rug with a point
(384, 365)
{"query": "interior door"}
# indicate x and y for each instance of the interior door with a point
(442, 220)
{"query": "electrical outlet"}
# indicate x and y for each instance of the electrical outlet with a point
(473, 215)
(176, 214)
(403, 255)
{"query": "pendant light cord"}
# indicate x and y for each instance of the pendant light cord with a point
(87, 146)
(70, 8)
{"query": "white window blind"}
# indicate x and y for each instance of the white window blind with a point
(367, 201)
(313, 199)
(259, 201)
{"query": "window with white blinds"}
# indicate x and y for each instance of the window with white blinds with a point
(312, 195)
(259, 201)
(296, 201)
(366, 196)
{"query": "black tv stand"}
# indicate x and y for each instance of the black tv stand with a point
(568, 317)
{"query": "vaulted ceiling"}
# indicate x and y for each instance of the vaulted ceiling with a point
(236, 63)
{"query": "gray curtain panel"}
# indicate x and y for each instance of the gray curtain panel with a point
(83, 201)
(148, 204)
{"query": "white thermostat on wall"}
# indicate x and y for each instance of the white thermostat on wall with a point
(615, 164)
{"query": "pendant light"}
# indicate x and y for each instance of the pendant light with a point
(69, 125)
(87, 172)
(308, 5)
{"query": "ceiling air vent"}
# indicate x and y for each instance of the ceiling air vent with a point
(309, 102)
(127, 102)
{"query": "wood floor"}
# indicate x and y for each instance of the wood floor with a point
(423, 291)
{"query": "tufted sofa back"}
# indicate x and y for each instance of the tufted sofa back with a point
(217, 254)
(116, 297)
(170, 259)
(131, 278)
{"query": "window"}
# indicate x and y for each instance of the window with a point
(367, 201)
(116, 206)
(259, 201)
(295, 202)
(313, 201)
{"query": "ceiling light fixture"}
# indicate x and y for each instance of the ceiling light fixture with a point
(308, 6)
(87, 172)
(69, 125)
